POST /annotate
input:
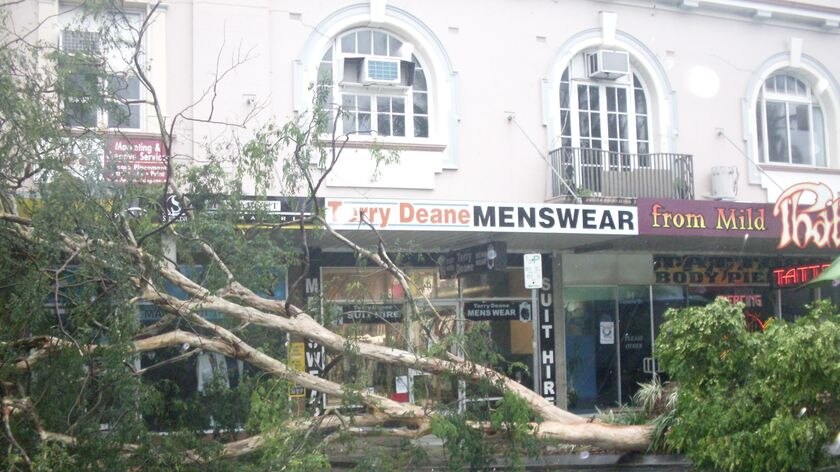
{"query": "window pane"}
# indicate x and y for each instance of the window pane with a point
(364, 103)
(383, 104)
(132, 89)
(800, 134)
(394, 46)
(380, 43)
(325, 73)
(327, 56)
(777, 140)
(819, 137)
(800, 88)
(363, 39)
(612, 125)
(398, 105)
(419, 79)
(348, 43)
(584, 123)
(583, 99)
(564, 95)
(611, 99)
(641, 128)
(78, 113)
(790, 85)
(349, 123)
(421, 127)
(594, 98)
(595, 121)
(622, 100)
(759, 126)
(780, 84)
(399, 125)
(566, 129)
(641, 105)
(421, 105)
(622, 127)
(364, 122)
(383, 124)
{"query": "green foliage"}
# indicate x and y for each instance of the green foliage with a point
(466, 445)
(752, 401)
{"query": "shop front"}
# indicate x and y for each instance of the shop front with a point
(485, 315)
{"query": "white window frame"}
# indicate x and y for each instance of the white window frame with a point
(578, 78)
(339, 88)
(788, 99)
(116, 61)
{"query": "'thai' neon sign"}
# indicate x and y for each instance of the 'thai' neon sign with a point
(803, 223)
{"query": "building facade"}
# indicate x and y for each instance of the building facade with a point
(654, 153)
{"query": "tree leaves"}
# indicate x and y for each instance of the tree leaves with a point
(763, 401)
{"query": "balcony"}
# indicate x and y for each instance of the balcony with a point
(597, 175)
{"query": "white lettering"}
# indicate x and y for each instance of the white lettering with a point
(548, 388)
(548, 357)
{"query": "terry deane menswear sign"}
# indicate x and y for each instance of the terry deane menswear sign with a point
(438, 215)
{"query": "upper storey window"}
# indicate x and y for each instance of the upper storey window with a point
(103, 42)
(791, 126)
(604, 107)
(378, 82)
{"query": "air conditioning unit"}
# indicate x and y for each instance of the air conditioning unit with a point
(605, 64)
(724, 182)
(381, 71)
(378, 71)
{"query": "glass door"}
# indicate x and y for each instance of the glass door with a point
(635, 340)
(591, 347)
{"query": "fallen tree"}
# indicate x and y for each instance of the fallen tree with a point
(78, 261)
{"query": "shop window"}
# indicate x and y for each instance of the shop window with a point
(790, 122)
(380, 82)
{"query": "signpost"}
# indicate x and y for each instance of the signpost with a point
(532, 268)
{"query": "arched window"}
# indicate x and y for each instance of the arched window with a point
(604, 123)
(790, 122)
(379, 83)
(605, 112)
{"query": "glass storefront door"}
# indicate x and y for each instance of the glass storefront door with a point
(635, 340)
(609, 344)
(591, 350)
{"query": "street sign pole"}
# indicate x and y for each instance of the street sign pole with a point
(532, 268)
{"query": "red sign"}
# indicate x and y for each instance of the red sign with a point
(816, 223)
(140, 160)
(786, 277)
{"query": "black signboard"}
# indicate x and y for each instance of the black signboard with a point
(501, 310)
(371, 314)
(545, 315)
(486, 257)
(252, 210)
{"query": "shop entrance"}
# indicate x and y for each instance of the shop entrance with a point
(609, 343)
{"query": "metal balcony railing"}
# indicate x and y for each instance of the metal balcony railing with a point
(579, 172)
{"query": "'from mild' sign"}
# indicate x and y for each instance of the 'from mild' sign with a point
(433, 215)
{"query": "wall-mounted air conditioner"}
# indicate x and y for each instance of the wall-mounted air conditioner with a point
(378, 71)
(381, 71)
(724, 182)
(605, 64)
